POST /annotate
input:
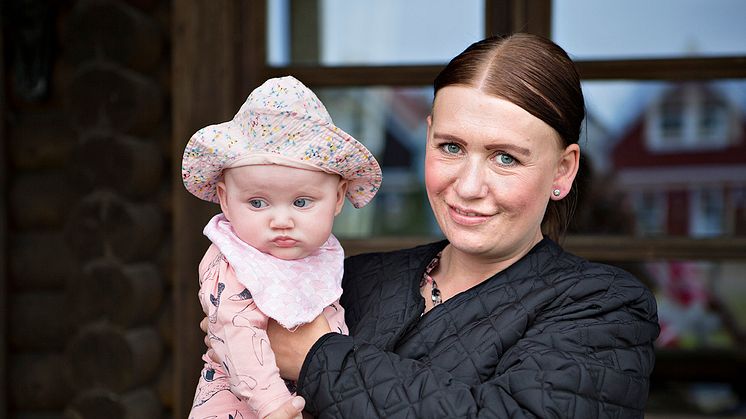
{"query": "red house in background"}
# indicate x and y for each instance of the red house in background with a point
(682, 164)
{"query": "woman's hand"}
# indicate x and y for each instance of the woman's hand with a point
(210, 352)
(291, 348)
(292, 409)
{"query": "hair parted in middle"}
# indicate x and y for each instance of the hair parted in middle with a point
(536, 74)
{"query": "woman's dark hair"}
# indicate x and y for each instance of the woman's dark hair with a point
(536, 74)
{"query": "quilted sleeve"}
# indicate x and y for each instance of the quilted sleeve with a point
(589, 355)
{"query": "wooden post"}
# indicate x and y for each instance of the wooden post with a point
(218, 56)
(3, 231)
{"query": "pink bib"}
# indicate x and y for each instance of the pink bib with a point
(292, 292)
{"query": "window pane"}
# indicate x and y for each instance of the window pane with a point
(700, 302)
(606, 29)
(664, 158)
(701, 311)
(384, 32)
(639, 178)
(391, 122)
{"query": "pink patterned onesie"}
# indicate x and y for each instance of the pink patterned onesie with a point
(240, 289)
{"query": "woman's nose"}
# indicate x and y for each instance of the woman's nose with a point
(470, 183)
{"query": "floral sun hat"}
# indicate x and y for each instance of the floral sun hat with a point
(281, 122)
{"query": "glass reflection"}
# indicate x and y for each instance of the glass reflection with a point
(611, 29)
(659, 158)
(384, 32)
(669, 158)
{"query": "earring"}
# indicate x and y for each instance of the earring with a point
(556, 192)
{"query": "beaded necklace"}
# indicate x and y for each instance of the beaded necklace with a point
(435, 295)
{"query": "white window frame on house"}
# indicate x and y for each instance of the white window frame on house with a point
(707, 215)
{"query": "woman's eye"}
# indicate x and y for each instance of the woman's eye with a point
(505, 159)
(257, 203)
(451, 148)
(301, 202)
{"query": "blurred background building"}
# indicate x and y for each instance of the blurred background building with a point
(99, 241)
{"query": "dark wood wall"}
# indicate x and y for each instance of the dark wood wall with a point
(87, 142)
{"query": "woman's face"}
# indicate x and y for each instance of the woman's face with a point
(490, 168)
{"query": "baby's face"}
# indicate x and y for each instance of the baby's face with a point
(284, 211)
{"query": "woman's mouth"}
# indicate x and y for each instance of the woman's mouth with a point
(466, 216)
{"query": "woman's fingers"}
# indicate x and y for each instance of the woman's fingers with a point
(213, 356)
(291, 348)
(292, 409)
(203, 324)
(210, 353)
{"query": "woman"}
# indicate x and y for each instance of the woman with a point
(497, 320)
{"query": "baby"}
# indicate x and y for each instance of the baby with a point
(280, 171)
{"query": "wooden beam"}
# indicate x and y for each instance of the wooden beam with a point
(359, 76)
(207, 88)
(632, 249)
(497, 15)
(598, 248)
(3, 232)
(664, 69)
(658, 69)
(305, 45)
(700, 365)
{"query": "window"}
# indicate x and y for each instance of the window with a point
(650, 212)
(713, 122)
(346, 37)
(629, 54)
(344, 33)
(634, 29)
(672, 122)
(665, 85)
(708, 212)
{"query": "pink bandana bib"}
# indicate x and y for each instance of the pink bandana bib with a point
(292, 292)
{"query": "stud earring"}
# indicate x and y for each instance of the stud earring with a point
(556, 192)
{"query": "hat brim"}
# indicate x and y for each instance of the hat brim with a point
(306, 141)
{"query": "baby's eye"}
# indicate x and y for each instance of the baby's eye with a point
(301, 202)
(450, 148)
(257, 203)
(505, 159)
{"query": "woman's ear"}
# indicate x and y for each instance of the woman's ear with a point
(567, 169)
(341, 191)
(223, 198)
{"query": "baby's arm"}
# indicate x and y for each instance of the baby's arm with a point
(239, 339)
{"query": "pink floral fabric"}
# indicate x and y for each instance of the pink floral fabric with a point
(292, 292)
(246, 383)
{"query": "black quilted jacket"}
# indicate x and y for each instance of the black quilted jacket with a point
(552, 336)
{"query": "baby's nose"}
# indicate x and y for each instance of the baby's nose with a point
(281, 221)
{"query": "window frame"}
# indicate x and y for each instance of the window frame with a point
(219, 54)
(502, 17)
